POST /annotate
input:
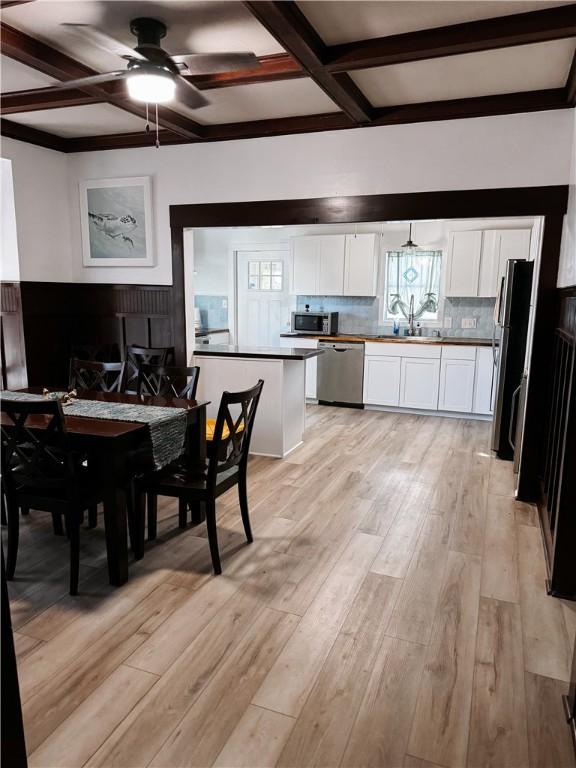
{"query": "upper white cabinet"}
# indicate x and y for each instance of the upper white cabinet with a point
(305, 272)
(334, 265)
(361, 265)
(477, 259)
(331, 249)
(463, 269)
(498, 247)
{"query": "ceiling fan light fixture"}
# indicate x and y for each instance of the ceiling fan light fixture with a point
(151, 87)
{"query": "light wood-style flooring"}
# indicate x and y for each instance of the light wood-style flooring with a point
(391, 612)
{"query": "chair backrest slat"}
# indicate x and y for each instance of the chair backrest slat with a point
(95, 375)
(35, 449)
(231, 449)
(136, 356)
(168, 381)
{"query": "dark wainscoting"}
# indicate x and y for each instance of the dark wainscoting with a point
(12, 348)
(557, 474)
(60, 318)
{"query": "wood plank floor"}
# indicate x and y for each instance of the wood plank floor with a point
(391, 613)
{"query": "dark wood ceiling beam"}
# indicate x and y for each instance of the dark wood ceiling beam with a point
(13, 102)
(571, 84)
(277, 66)
(487, 34)
(25, 49)
(288, 25)
(483, 106)
(12, 130)
(479, 106)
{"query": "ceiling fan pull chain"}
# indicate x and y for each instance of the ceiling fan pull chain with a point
(157, 137)
(147, 120)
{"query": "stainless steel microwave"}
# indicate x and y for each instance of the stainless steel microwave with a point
(320, 323)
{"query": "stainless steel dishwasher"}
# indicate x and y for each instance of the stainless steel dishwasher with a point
(341, 373)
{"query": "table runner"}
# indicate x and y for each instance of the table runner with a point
(166, 426)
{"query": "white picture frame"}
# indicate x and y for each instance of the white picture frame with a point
(116, 222)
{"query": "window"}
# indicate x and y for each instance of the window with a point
(412, 273)
(265, 275)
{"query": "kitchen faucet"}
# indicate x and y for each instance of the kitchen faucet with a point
(411, 316)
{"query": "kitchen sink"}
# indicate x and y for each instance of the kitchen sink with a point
(419, 339)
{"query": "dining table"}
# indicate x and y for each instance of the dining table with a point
(110, 445)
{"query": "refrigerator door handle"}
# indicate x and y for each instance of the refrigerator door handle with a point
(513, 416)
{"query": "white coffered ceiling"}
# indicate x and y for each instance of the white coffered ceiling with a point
(206, 26)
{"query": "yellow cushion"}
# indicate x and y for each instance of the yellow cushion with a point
(211, 426)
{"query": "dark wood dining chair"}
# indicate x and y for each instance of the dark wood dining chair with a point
(95, 375)
(168, 381)
(40, 471)
(135, 357)
(227, 466)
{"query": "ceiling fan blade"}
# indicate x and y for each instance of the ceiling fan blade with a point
(102, 40)
(210, 63)
(188, 95)
(81, 82)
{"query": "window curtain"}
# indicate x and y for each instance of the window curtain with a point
(414, 273)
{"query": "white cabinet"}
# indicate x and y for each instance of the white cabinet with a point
(484, 385)
(498, 247)
(463, 267)
(305, 266)
(331, 250)
(334, 265)
(514, 244)
(382, 380)
(456, 385)
(419, 377)
(311, 363)
(361, 265)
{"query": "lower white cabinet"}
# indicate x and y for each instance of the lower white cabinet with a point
(456, 385)
(419, 377)
(311, 363)
(382, 380)
(485, 385)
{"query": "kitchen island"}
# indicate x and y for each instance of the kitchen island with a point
(280, 421)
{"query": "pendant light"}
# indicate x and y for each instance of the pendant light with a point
(409, 245)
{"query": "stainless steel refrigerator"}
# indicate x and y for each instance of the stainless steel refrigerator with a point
(511, 315)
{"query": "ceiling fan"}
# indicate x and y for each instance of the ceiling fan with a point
(154, 76)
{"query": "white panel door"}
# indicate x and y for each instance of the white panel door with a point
(419, 381)
(464, 263)
(361, 265)
(382, 380)
(484, 384)
(331, 255)
(263, 312)
(305, 266)
(514, 244)
(456, 385)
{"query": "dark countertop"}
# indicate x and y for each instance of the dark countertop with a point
(207, 331)
(445, 340)
(269, 353)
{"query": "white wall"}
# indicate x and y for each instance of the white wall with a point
(567, 269)
(506, 151)
(41, 195)
(9, 264)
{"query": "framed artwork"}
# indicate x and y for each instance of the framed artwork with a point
(116, 218)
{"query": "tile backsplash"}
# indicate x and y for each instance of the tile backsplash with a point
(362, 314)
(213, 311)
(356, 314)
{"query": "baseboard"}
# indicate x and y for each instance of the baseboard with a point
(424, 412)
